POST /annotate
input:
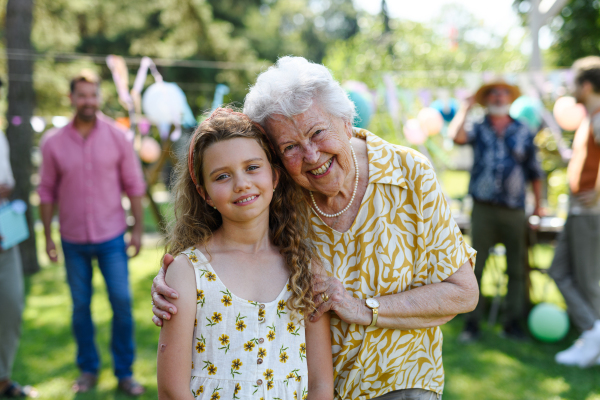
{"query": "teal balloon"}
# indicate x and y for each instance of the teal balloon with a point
(363, 109)
(529, 111)
(548, 323)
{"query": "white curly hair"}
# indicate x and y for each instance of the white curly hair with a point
(291, 86)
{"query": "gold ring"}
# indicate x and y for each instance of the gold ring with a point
(324, 297)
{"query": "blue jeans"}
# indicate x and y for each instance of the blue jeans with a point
(112, 260)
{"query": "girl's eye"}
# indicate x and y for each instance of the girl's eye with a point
(252, 167)
(221, 177)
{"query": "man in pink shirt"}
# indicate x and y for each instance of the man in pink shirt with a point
(86, 167)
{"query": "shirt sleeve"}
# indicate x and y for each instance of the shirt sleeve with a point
(5, 162)
(532, 165)
(132, 177)
(49, 176)
(472, 132)
(444, 248)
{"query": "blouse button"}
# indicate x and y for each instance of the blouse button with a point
(259, 361)
(262, 306)
(259, 382)
(261, 319)
(261, 340)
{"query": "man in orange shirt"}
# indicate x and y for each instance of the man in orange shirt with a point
(576, 268)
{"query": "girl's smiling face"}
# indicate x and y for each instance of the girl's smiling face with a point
(238, 179)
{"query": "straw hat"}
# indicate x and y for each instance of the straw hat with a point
(483, 90)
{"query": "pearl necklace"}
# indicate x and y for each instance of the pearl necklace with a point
(353, 193)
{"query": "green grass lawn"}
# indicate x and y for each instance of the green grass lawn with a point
(494, 368)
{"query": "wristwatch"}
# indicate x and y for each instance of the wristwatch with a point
(373, 305)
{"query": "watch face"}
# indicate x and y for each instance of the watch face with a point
(372, 303)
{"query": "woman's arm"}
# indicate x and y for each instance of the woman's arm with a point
(422, 307)
(318, 358)
(175, 343)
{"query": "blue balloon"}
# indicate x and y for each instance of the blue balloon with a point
(447, 108)
(363, 109)
(529, 111)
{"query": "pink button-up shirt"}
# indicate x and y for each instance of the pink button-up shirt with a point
(86, 177)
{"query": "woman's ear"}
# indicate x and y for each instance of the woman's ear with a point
(348, 128)
(205, 196)
(276, 175)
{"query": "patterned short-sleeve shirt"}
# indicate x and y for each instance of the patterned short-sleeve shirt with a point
(502, 165)
(403, 237)
(244, 350)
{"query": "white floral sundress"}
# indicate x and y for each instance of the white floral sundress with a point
(244, 349)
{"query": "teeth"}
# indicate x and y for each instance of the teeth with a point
(322, 169)
(246, 200)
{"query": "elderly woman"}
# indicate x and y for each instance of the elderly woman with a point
(399, 265)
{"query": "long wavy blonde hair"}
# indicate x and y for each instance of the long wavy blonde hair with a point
(289, 224)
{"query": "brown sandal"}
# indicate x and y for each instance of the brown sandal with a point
(85, 382)
(131, 387)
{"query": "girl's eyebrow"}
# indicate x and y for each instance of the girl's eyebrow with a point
(244, 162)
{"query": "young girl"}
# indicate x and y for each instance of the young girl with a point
(241, 233)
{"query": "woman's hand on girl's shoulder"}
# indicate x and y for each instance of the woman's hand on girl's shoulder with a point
(161, 308)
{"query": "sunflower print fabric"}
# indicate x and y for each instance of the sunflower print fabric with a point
(403, 237)
(243, 349)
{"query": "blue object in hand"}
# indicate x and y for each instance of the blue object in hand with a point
(13, 224)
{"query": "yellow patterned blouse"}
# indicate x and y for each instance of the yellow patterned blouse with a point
(403, 237)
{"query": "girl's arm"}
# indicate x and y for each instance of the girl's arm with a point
(319, 360)
(176, 336)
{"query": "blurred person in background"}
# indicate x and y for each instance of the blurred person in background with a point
(576, 264)
(504, 161)
(85, 168)
(12, 295)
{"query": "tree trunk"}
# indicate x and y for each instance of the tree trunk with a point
(19, 14)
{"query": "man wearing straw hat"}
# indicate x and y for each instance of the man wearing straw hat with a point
(504, 160)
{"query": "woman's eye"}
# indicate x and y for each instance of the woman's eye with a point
(317, 132)
(288, 148)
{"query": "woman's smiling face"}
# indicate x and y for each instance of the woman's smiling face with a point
(238, 179)
(314, 148)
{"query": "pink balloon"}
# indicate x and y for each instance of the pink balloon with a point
(414, 133)
(150, 150)
(431, 120)
(568, 113)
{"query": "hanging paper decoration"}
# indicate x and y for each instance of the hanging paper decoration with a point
(165, 102)
(149, 150)
(425, 97)
(144, 126)
(568, 113)
(123, 122)
(391, 97)
(414, 133)
(220, 92)
(431, 121)
(529, 111)
(16, 120)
